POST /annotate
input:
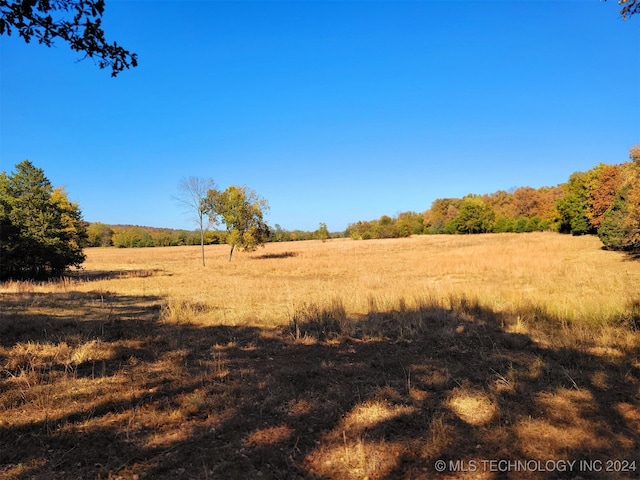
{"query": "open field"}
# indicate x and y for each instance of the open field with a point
(337, 360)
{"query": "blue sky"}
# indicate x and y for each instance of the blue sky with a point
(333, 111)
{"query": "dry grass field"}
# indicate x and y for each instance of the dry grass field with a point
(338, 360)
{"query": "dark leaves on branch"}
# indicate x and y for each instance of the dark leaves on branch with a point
(629, 8)
(78, 23)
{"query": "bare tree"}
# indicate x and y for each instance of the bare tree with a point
(192, 195)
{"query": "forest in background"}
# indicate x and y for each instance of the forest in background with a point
(132, 236)
(603, 201)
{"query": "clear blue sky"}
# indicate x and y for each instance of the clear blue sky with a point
(333, 111)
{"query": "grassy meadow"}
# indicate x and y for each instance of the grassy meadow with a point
(336, 360)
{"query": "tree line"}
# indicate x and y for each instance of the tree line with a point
(603, 201)
(404, 225)
(134, 236)
(42, 232)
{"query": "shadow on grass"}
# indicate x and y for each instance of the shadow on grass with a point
(633, 255)
(96, 275)
(266, 256)
(118, 391)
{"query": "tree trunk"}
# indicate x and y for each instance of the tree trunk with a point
(231, 252)
(202, 243)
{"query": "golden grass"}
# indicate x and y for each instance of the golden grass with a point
(343, 359)
(538, 274)
(473, 407)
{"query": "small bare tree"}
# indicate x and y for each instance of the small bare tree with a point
(192, 195)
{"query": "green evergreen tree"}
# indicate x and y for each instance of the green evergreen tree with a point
(614, 229)
(572, 207)
(41, 231)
